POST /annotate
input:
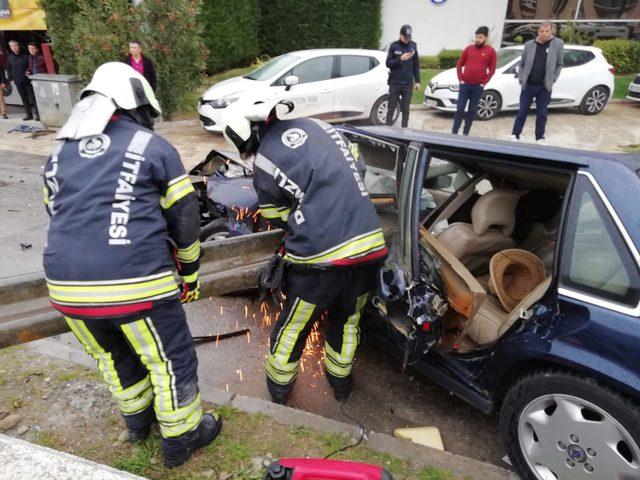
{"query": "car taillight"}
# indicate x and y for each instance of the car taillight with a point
(612, 70)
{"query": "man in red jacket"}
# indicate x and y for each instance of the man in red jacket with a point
(476, 66)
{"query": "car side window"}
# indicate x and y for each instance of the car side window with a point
(596, 260)
(313, 70)
(355, 65)
(575, 58)
(443, 178)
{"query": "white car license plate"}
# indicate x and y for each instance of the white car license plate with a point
(431, 103)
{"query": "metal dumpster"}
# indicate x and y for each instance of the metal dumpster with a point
(55, 96)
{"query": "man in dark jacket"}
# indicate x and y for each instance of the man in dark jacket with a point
(309, 181)
(123, 213)
(141, 64)
(403, 63)
(540, 66)
(17, 66)
(476, 66)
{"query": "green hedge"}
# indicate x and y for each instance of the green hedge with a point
(449, 58)
(230, 29)
(171, 37)
(59, 14)
(101, 30)
(429, 61)
(624, 55)
(299, 24)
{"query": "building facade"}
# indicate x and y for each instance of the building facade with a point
(450, 24)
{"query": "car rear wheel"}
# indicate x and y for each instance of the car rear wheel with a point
(558, 425)
(218, 229)
(489, 105)
(594, 101)
(379, 111)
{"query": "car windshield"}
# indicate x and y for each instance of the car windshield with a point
(272, 67)
(506, 56)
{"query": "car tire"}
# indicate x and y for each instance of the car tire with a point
(218, 229)
(379, 111)
(489, 105)
(557, 424)
(594, 100)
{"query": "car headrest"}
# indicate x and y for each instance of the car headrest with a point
(496, 208)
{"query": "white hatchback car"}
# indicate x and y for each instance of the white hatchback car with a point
(331, 84)
(586, 82)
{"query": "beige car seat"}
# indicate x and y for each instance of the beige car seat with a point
(491, 321)
(493, 220)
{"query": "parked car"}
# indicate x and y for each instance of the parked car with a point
(562, 366)
(634, 89)
(331, 84)
(586, 82)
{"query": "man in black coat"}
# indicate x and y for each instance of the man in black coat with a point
(17, 66)
(141, 64)
(404, 74)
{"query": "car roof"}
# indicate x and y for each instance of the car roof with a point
(315, 52)
(569, 46)
(526, 153)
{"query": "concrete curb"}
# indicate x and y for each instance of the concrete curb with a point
(22, 460)
(424, 456)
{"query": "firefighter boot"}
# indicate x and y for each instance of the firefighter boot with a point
(177, 450)
(139, 425)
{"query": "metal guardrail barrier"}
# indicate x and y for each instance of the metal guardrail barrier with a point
(229, 265)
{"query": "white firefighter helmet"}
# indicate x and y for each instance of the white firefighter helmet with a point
(238, 127)
(237, 131)
(114, 85)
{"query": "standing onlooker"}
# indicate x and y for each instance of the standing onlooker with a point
(18, 64)
(141, 64)
(3, 83)
(539, 68)
(476, 66)
(404, 68)
(36, 65)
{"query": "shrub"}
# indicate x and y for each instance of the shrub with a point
(624, 55)
(449, 58)
(101, 30)
(171, 37)
(230, 30)
(299, 24)
(429, 61)
(58, 14)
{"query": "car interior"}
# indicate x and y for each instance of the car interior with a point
(493, 209)
(472, 210)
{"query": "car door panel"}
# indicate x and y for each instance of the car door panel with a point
(314, 95)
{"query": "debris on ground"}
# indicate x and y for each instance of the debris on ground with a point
(25, 246)
(427, 436)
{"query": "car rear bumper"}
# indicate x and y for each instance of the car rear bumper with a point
(634, 92)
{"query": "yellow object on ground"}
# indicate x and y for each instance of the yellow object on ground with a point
(22, 15)
(427, 436)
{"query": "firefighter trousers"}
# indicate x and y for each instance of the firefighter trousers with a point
(342, 294)
(149, 364)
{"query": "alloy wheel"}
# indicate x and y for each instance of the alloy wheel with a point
(563, 437)
(382, 112)
(596, 100)
(487, 106)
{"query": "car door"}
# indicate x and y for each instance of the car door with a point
(574, 79)
(508, 84)
(356, 86)
(599, 289)
(314, 94)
